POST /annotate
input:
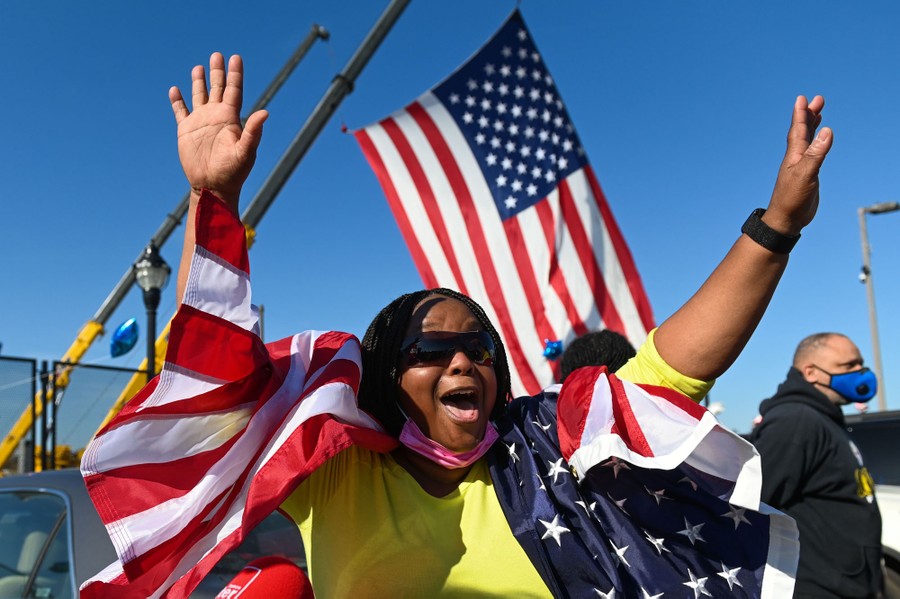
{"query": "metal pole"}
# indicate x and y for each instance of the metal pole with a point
(45, 389)
(151, 303)
(52, 410)
(341, 85)
(29, 466)
(873, 320)
(317, 32)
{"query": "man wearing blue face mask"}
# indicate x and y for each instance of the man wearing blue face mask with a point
(813, 472)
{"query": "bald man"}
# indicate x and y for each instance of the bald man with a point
(813, 472)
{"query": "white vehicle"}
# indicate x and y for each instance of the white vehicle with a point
(52, 540)
(876, 437)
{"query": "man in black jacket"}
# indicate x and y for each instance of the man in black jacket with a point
(813, 472)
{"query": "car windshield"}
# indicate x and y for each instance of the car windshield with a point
(34, 556)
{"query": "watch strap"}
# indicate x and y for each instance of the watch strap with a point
(766, 236)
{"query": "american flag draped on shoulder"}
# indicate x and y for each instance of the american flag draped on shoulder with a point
(228, 429)
(621, 490)
(231, 426)
(493, 193)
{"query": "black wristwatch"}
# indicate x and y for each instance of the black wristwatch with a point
(766, 236)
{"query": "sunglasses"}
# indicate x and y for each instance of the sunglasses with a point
(438, 348)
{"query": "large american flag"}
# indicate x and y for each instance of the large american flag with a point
(493, 193)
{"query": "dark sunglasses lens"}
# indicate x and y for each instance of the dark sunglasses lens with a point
(478, 346)
(481, 349)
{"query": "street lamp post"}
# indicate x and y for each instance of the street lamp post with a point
(151, 273)
(866, 277)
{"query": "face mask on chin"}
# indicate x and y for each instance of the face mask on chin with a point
(414, 439)
(858, 386)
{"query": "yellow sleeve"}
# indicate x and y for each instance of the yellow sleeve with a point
(649, 368)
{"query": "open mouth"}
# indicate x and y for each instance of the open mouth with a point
(463, 405)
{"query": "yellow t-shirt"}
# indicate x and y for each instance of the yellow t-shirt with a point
(378, 534)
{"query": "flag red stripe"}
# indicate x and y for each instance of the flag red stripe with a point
(214, 220)
(159, 482)
(573, 405)
(492, 286)
(327, 346)
(393, 198)
(426, 193)
(623, 254)
(518, 246)
(626, 424)
(584, 249)
(555, 274)
(132, 405)
(217, 399)
(188, 582)
(213, 347)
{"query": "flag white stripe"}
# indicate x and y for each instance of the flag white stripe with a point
(581, 292)
(411, 203)
(605, 254)
(784, 543)
(454, 225)
(177, 384)
(574, 282)
(176, 436)
(217, 288)
(451, 215)
(540, 254)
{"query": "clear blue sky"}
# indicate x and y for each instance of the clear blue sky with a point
(682, 108)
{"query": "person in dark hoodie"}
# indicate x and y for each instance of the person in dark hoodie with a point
(813, 471)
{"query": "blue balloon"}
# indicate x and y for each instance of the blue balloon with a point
(124, 338)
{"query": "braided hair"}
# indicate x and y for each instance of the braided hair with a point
(381, 345)
(597, 348)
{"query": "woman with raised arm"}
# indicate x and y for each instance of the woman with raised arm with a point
(418, 475)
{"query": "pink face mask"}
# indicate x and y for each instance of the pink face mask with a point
(413, 438)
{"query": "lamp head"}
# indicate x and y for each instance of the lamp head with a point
(882, 207)
(151, 271)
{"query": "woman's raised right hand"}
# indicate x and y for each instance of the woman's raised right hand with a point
(216, 152)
